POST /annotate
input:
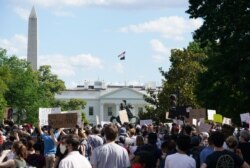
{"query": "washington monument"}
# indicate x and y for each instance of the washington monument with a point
(32, 39)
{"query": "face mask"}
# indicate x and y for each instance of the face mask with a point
(62, 148)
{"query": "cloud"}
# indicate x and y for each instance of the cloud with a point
(63, 14)
(15, 45)
(23, 13)
(173, 27)
(121, 4)
(119, 68)
(67, 66)
(162, 52)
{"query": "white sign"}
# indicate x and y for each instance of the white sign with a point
(44, 112)
(79, 116)
(97, 120)
(210, 114)
(167, 114)
(245, 117)
(147, 122)
(204, 127)
(227, 121)
(123, 116)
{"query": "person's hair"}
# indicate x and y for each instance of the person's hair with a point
(96, 130)
(139, 140)
(111, 132)
(30, 145)
(245, 135)
(74, 141)
(168, 145)
(152, 138)
(145, 159)
(20, 149)
(232, 142)
(82, 134)
(217, 138)
(132, 132)
(183, 142)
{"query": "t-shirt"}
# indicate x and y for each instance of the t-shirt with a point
(49, 145)
(179, 160)
(74, 160)
(223, 159)
(245, 150)
(204, 153)
(36, 160)
(110, 155)
(95, 141)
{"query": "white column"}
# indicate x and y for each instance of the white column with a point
(117, 109)
(101, 112)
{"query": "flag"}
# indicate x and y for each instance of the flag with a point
(122, 55)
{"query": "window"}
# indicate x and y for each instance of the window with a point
(110, 113)
(140, 110)
(91, 110)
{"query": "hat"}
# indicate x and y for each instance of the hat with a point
(123, 131)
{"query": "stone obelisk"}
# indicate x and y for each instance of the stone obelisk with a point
(32, 39)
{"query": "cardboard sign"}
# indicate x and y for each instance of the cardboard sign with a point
(218, 118)
(204, 127)
(123, 116)
(79, 116)
(44, 112)
(210, 114)
(245, 117)
(227, 121)
(197, 113)
(63, 120)
(147, 122)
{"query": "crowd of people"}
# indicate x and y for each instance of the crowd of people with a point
(123, 146)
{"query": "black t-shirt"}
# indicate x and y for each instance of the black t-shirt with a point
(223, 159)
(245, 150)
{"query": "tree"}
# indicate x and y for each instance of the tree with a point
(49, 85)
(24, 89)
(226, 27)
(180, 80)
(5, 78)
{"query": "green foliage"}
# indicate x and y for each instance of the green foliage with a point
(181, 80)
(225, 84)
(24, 89)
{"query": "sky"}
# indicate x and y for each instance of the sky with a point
(81, 39)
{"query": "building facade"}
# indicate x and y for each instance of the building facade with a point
(104, 101)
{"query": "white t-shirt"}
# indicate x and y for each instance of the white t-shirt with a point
(179, 160)
(74, 160)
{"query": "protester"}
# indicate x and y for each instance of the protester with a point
(20, 155)
(181, 159)
(110, 155)
(73, 159)
(221, 157)
(244, 145)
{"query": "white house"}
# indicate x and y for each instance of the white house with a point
(104, 101)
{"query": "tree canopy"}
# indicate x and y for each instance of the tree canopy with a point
(179, 80)
(225, 86)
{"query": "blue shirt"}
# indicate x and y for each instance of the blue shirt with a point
(49, 145)
(204, 153)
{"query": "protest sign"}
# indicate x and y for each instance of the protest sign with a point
(167, 114)
(210, 114)
(123, 116)
(204, 127)
(79, 116)
(218, 118)
(227, 121)
(44, 112)
(179, 122)
(245, 117)
(62, 120)
(197, 113)
(194, 121)
(97, 120)
(147, 122)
